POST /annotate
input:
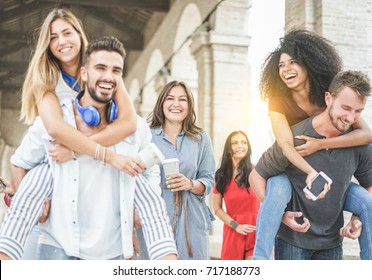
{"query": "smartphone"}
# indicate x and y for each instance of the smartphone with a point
(317, 185)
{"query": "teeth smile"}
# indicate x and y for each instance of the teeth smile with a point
(290, 76)
(105, 86)
(65, 50)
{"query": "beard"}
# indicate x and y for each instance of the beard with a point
(336, 120)
(92, 92)
(96, 97)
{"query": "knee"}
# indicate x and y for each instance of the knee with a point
(280, 188)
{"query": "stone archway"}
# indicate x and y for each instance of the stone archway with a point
(150, 90)
(183, 65)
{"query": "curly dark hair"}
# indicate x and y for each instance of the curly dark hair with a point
(311, 51)
(225, 172)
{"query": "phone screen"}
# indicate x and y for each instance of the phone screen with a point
(317, 186)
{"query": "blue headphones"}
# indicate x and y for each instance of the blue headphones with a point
(91, 114)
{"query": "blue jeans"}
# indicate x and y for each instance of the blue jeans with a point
(278, 194)
(30, 250)
(48, 252)
(286, 251)
(359, 201)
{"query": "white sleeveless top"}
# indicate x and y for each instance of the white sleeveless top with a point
(63, 90)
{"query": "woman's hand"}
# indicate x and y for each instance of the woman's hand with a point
(326, 189)
(245, 229)
(178, 182)
(45, 211)
(311, 146)
(136, 219)
(129, 165)
(60, 154)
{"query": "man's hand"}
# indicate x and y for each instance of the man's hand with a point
(45, 211)
(136, 219)
(9, 188)
(353, 229)
(289, 219)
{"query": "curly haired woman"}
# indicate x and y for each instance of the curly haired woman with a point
(294, 79)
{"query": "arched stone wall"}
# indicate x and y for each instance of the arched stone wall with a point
(150, 90)
(183, 65)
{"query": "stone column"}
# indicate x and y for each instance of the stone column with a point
(221, 53)
(223, 78)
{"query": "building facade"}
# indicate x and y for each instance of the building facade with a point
(206, 43)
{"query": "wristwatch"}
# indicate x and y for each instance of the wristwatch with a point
(234, 224)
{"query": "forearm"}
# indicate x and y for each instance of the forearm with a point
(197, 188)
(285, 139)
(17, 174)
(115, 132)
(295, 158)
(219, 211)
(73, 139)
(223, 216)
(356, 137)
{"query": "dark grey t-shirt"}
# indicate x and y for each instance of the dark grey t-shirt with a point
(325, 215)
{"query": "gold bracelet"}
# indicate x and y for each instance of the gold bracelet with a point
(104, 156)
(96, 155)
(192, 185)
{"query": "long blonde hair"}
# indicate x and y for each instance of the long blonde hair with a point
(43, 71)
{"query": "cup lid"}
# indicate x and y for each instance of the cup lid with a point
(169, 160)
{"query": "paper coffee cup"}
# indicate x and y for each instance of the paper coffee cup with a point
(150, 155)
(170, 166)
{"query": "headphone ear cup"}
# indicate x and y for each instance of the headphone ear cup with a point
(89, 114)
(111, 111)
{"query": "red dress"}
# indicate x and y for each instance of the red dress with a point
(242, 207)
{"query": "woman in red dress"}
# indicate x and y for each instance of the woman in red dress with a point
(242, 205)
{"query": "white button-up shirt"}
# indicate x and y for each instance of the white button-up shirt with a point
(91, 215)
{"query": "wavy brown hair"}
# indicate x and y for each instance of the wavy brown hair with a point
(157, 117)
